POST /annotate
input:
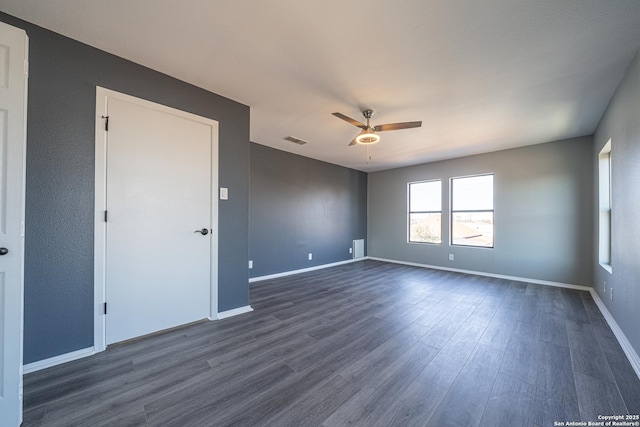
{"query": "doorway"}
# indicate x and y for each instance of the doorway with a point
(158, 232)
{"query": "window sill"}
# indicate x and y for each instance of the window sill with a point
(607, 267)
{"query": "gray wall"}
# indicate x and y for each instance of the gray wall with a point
(542, 199)
(60, 183)
(621, 123)
(300, 205)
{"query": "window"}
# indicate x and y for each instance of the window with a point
(604, 204)
(425, 212)
(472, 211)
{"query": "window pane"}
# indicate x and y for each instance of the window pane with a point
(604, 201)
(425, 228)
(472, 193)
(604, 247)
(472, 229)
(425, 196)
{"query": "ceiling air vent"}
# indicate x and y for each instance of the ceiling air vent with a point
(296, 140)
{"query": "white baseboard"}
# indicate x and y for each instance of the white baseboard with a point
(482, 273)
(57, 360)
(304, 270)
(631, 354)
(86, 352)
(234, 312)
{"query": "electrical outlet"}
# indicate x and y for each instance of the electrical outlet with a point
(350, 250)
(310, 256)
(450, 257)
(611, 293)
(250, 263)
(224, 193)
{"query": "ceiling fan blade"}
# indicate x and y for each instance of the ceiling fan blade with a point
(350, 120)
(397, 126)
(353, 142)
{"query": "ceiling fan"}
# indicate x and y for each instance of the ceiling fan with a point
(368, 134)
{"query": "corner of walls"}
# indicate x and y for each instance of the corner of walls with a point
(301, 206)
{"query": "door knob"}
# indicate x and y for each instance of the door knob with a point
(4, 251)
(204, 231)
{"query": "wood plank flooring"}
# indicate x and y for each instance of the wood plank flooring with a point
(363, 344)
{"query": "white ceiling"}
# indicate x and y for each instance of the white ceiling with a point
(481, 75)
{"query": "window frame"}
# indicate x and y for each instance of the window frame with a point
(409, 211)
(605, 207)
(452, 212)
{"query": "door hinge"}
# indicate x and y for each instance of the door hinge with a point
(106, 123)
(105, 216)
(105, 308)
(26, 68)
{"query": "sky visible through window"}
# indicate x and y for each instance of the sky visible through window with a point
(426, 196)
(473, 193)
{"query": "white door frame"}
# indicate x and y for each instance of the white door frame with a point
(102, 96)
(14, 102)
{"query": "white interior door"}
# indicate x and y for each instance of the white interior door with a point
(158, 194)
(13, 101)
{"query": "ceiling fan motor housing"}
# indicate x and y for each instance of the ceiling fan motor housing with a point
(368, 135)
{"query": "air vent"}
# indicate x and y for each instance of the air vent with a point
(296, 140)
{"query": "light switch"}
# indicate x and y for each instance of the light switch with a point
(224, 193)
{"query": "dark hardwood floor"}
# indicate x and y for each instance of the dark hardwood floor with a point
(368, 344)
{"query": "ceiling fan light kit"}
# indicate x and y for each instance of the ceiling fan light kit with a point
(368, 135)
